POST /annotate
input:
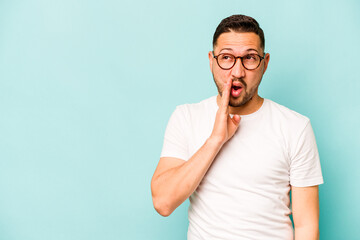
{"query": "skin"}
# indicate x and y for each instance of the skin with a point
(305, 211)
(175, 180)
(240, 44)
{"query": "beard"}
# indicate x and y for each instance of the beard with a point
(245, 96)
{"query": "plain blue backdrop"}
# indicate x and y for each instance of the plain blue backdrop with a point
(87, 88)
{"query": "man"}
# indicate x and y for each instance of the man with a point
(238, 174)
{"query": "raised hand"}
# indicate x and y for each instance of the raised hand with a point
(225, 126)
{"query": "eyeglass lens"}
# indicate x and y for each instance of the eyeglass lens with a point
(227, 61)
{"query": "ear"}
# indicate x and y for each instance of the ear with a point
(266, 60)
(211, 58)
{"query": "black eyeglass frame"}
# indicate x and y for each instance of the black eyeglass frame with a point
(242, 63)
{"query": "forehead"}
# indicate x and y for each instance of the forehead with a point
(238, 42)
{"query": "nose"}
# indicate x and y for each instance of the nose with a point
(238, 69)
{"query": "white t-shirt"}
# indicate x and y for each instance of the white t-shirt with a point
(245, 193)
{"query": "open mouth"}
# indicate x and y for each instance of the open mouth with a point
(236, 90)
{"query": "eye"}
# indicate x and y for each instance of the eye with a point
(251, 57)
(226, 57)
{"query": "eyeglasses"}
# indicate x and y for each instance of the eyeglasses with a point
(250, 61)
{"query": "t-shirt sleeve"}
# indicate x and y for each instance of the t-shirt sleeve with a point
(175, 140)
(305, 169)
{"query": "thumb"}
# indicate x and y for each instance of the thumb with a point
(233, 124)
(236, 119)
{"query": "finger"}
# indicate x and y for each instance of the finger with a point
(226, 95)
(236, 119)
(233, 124)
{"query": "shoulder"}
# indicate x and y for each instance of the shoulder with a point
(286, 115)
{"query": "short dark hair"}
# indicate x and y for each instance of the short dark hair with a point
(239, 23)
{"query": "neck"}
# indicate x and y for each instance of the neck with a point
(251, 106)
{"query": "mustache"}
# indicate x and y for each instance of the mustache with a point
(240, 80)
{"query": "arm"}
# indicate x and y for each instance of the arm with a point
(305, 208)
(175, 180)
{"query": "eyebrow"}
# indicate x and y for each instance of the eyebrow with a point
(252, 49)
(230, 49)
(247, 50)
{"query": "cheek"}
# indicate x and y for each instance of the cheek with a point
(223, 75)
(252, 79)
(219, 76)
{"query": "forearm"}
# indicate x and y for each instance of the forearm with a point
(307, 232)
(305, 208)
(174, 186)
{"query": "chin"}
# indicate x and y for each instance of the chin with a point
(237, 103)
(241, 101)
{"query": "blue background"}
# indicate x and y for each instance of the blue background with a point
(87, 88)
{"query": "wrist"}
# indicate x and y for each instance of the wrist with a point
(214, 142)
